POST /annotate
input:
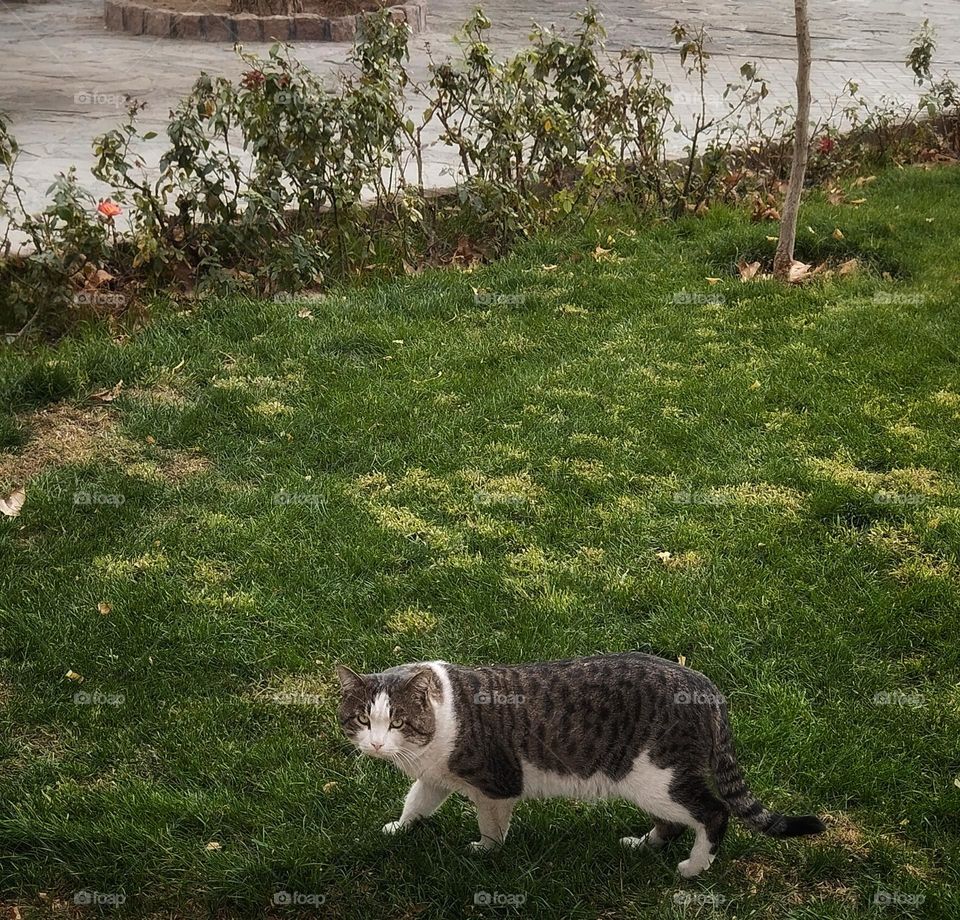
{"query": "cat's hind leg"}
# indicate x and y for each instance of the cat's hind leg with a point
(708, 817)
(493, 817)
(657, 838)
(422, 800)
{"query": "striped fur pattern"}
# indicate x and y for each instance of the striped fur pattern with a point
(628, 726)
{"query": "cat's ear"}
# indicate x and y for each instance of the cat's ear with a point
(350, 681)
(423, 683)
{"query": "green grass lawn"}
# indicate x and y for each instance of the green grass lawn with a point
(408, 473)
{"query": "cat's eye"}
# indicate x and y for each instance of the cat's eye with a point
(363, 720)
(396, 723)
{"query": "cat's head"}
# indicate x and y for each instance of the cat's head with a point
(389, 715)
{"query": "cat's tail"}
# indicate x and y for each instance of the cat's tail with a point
(736, 793)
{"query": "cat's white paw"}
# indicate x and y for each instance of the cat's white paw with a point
(481, 846)
(635, 843)
(690, 869)
(393, 827)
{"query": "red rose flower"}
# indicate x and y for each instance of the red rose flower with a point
(109, 209)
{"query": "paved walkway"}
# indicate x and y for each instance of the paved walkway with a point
(63, 77)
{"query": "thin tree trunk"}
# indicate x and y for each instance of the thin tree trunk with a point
(801, 147)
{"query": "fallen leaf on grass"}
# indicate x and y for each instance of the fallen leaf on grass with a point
(858, 201)
(304, 313)
(104, 608)
(798, 271)
(850, 267)
(665, 556)
(838, 234)
(861, 181)
(213, 845)
(681, 660)
(755, 385)
(765, 208)
(748, 270)
(11, 505)
(714, 280)
(108, 395)
(605, 255)
(329, 787)
(74, 676)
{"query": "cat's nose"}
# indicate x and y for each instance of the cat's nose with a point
(376, 745)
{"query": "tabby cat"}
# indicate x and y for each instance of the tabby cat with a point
(628, 726)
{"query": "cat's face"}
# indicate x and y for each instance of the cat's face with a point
(388, 715)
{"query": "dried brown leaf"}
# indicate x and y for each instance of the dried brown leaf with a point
(11, 505)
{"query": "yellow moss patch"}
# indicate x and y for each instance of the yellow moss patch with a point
(758, 494)
(119, 567)
(531, 560)
(498, 450)
(592, 472)
(298, 690)
(418, 481)
(211, 572)
(405, 522)
(412, 620)
(271, 408)
(511, 489)
(946, 398)
(372, 482)
(685, 560)
(593, 441)
(227, 601)
(914, 480)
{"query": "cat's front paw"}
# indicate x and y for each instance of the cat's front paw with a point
(481, 846)
(393, 827)
(689, 869)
